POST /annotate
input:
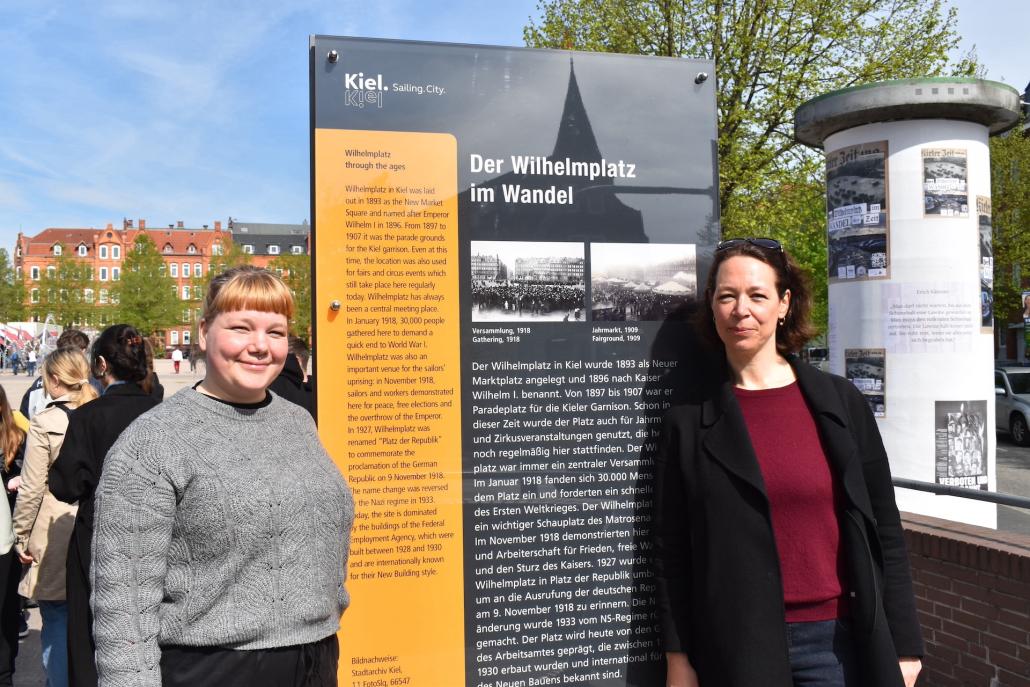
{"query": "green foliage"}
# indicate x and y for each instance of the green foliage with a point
(12, 292)
(146, 297)
(296, 272)
(1010, 190)
(771, 56)
(62, 292)
(230, 255)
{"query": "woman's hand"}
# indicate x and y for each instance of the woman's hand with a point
(25, 558)
(679, 672)
(910, 668)
(14, 483)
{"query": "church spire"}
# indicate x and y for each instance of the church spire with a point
(575, 135)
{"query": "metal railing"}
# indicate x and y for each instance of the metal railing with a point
(964, 492)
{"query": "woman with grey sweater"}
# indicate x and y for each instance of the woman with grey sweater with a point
(222, 525)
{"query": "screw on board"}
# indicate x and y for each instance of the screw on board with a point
(333, 56)
(701, 77)
(334, 306)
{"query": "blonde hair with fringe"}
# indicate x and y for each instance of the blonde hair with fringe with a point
(247, 288)
(71, 369)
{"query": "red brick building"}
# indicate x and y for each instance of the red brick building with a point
(186, 251)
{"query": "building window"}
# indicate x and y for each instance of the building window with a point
(273, 249)
(167, 248)
(186, 316)
(197, 270)
(185, 270)
(297, 250)
(173, 337)
(185, 337)
(35, 273)
(173, 269)
(103, 296)
(116, 273)
(247, 248)
(198, 293)
(18, 271)
(216, 249)
(82, 250)
(103, 274)
(103, 252)
(35, 295)
(116, 252)
(57, 249)
(185, 293)
(191, 249)
(51, 271)
(87, 295)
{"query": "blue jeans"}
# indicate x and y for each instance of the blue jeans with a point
(54, 638)
(822, 654)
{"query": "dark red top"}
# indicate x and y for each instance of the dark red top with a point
(804, 496)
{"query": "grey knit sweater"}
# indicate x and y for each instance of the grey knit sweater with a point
(216, 526)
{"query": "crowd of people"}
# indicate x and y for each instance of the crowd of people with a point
(18, 359)
(615, 303)
(141, 526)
(528, 298)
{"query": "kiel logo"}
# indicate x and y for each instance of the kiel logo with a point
(362, 90)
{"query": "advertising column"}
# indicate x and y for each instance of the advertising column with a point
(506, 245)
(911, 271)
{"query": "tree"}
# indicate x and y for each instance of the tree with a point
(12, 291)
(770, 57)
(296, 272)
(65, 291)
(1010, 170)
(145, 296)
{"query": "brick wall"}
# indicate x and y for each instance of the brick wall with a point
(973, 593)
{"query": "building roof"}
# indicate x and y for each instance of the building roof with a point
(238, 227)
(261, 242)
(180, 240)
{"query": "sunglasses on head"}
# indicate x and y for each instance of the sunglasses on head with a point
(769, 244)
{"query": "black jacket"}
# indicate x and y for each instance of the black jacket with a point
(290, 385)
(719, 591)
(93, 429)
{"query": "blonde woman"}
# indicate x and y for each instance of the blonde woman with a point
(13, 426)
(42, 524)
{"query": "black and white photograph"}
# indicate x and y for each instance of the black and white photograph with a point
(866, 368)
(961, 443)
(528, 281)
(983, 212)
(945, 191)
(856, 207)
(641, 281)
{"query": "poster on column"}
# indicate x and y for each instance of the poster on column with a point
(945, 191)
(507, 245)
(1025, 300)
(986, 252)
(856, 209)
(866, 368)
(961, 435)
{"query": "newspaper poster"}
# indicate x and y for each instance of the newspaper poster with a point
(945, 191)
(961, 443)
(984, 232)
(1025, 300)
(856, 212)
(866, 368)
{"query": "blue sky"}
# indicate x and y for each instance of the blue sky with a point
(195, 111)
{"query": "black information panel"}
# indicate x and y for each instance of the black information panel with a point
(587, 213)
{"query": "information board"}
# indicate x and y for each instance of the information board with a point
(506, 245)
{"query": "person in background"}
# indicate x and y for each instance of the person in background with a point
(290, 382)
(13, 426)
(208, 568)
(779, 555)
(30, 367)
(152, 383)
(35, 398)
(119, 360)
(42, 524)
(176, 358)
(194, 353)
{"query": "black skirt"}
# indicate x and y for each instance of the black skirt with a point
(304, 665)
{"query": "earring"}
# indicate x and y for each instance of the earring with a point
(782, 321)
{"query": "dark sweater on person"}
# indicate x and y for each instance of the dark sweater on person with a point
(803, 497)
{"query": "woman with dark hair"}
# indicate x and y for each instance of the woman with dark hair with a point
(118, 359)
(780, 558)
(12, 444)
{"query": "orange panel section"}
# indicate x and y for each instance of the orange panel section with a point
(388, 396)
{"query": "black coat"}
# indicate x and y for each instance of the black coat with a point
(93, 429)
(290, 385)
(719, 591)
